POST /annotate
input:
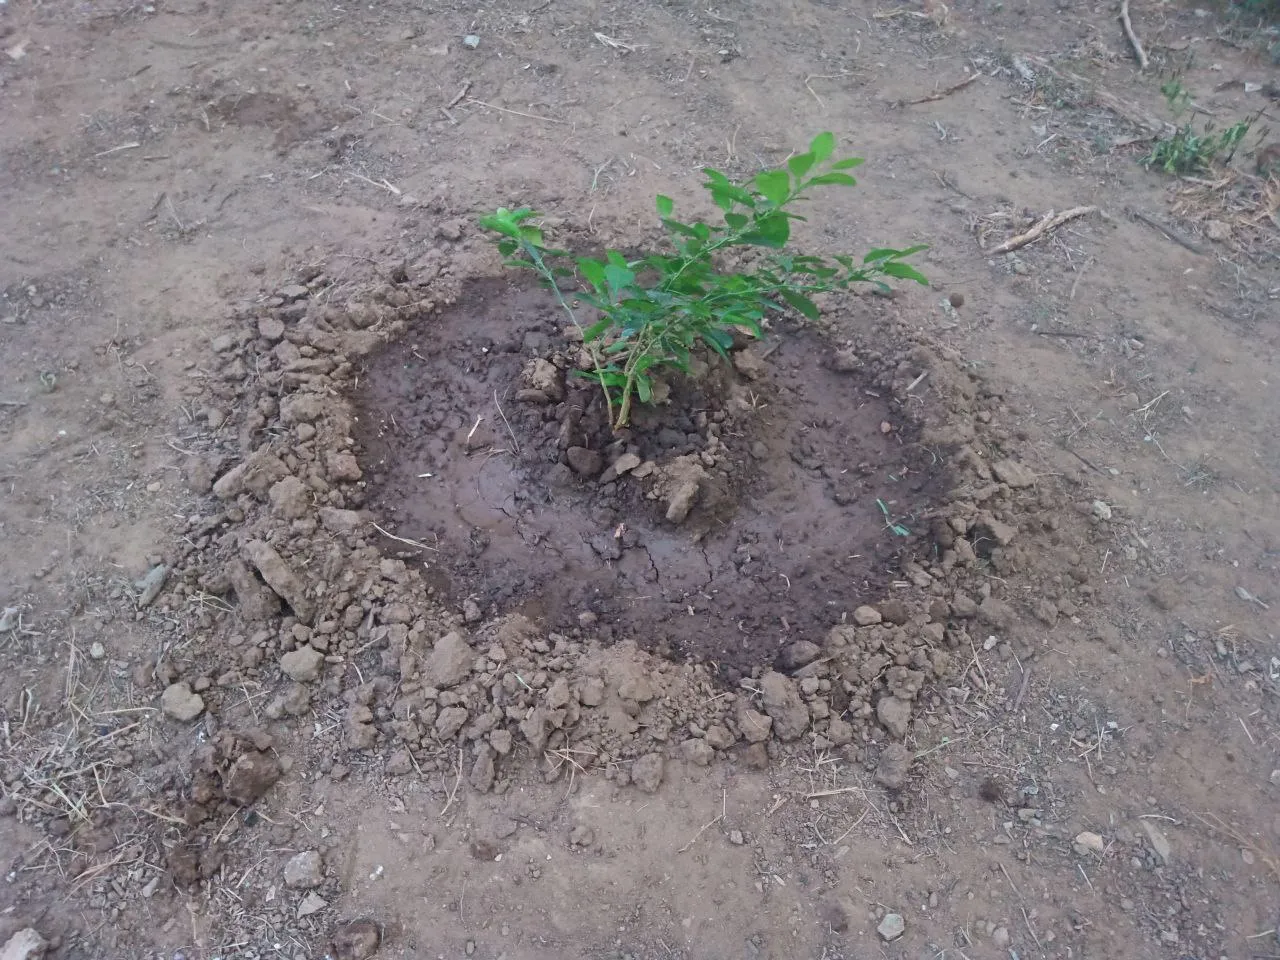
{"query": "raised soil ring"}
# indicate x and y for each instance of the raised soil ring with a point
(482, 444)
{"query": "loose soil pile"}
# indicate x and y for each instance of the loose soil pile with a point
(430, 524)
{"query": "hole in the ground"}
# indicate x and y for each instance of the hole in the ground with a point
(787, 534)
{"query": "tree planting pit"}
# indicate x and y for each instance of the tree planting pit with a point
(480, 444)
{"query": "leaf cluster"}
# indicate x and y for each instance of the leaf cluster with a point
(656, 310)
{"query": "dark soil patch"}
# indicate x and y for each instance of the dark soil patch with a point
(786, 536)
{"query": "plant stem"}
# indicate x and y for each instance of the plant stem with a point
(535, 256)
(640, 350)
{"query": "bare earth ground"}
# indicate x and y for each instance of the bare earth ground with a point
(214, 216)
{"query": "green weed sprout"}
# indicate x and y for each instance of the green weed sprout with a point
(1185, 151)
(655, 311)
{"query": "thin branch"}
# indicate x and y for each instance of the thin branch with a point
(947, 92)
(1125, 22)
(1050, 221)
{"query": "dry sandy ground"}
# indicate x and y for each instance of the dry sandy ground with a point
(214, 215)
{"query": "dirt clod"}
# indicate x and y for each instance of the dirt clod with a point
(149, 587)
(304, 871)
(1015, 474)
(250, 777)
(26, 944)
(893, 767)
(755, 726)
(1089, 842)
(697, 751)
(1158, 841)
(783, 704)
(302, 665)
(280, 577)
(797, 655)
(585, 463)
(895, 714)
(257, 602)
(180, 703)
(866, 616)
(356, 940)
(311, 904)
(646, 772)
(449, 662)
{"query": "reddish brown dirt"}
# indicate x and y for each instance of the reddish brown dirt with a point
(785, 539)
(1067, 749)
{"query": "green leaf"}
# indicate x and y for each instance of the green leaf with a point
(775, 185)
(618, 278)
(593, 271)
(880, 253)
(721, 199)
(507, 222)
(665, 205)
(837, 179)
(772, 230)
(737, 221)
(822, 146)
(800, 303)
(848, 163)
(904, 271)
(675, 226)
(644, 389)
(800, 164)
(592, 333)
(726, 195)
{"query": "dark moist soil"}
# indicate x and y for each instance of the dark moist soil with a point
(785, 538)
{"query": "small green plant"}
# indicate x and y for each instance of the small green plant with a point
(1186, 151)
(657, 309)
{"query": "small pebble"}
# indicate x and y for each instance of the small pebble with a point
(891, 927)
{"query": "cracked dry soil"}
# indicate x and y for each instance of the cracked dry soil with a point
(532, 504)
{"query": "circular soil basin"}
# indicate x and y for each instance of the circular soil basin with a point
(802, 472)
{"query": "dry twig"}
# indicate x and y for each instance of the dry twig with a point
(454, 792)
(457, 97)
(405, 540)
(1168, 231)
(947, 92)
(515, 113)
(724, 803)
(1133, 37)
(1050, 221)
